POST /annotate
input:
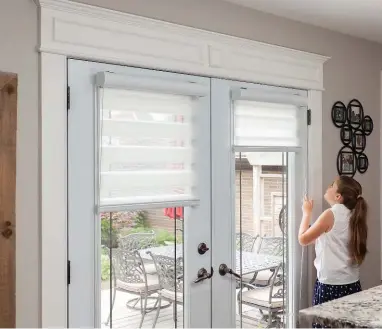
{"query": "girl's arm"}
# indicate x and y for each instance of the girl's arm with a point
(324, 223)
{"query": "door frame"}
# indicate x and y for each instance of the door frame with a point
(166, 46)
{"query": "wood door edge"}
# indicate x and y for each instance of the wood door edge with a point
(8, 120)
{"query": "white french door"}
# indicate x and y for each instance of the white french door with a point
(175, 185)
(259, 146)
(139, 179)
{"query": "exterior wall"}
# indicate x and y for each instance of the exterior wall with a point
(157, 220)
(248, 225)
(269, 199)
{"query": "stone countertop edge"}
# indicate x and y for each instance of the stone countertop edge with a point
(309, 319)
(359, 310)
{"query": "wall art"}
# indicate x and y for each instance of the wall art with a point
(346, 134)
(362, 162)
(355, 113)
(354, 126)
(346, 161)
(367, 125)
(339, 114)
(358, 141)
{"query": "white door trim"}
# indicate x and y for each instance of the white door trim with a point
(81, 31)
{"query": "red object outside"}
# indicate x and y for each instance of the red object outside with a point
(172, 212)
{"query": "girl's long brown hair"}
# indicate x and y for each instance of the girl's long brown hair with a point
(351, 192)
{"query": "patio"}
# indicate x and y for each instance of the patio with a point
(265, 259)
(127, 318)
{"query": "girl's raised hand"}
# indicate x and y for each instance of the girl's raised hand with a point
(307, 205)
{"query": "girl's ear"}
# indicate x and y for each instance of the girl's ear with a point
(338, 197)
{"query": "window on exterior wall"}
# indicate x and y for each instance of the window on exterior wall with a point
(271, 200)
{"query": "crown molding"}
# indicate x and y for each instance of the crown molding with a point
(88, 32)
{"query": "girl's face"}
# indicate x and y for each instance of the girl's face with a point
(331, 195)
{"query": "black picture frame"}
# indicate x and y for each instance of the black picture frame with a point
(367, 125)
(346, 161)
(362, 163)
(339, 114)
(355, 113)
(346, 134)
(358, 141)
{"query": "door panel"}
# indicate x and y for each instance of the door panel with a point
(259, 144)
(139, 197)
(8, 120)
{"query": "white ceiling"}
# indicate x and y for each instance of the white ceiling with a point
(359, 18)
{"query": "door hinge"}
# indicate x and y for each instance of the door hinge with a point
(68, 272)
(309, 117)
(68, 97)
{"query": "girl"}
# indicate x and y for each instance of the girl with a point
(340, 235)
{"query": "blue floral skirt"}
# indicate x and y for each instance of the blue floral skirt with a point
(326, 292)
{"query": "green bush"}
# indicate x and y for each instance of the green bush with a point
(105, 267)
(141, 220)
(127, 221)
(109, 235)
(163, 236)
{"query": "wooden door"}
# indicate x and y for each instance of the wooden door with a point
(8, 117)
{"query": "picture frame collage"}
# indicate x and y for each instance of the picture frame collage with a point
(354, 127)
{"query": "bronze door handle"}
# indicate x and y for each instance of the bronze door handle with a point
(203, 275)
(224, 269)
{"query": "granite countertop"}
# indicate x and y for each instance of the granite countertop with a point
(359, 310)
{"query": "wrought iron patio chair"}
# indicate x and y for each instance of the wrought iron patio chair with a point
(272, 246)
(245, 241)
(269, 299)
(129, 275)
(170, 273)
(139, 241)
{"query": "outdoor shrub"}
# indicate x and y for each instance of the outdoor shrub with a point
(122, 223)
(105, 267)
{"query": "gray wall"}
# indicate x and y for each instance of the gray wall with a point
(352, 72)
(18, 41)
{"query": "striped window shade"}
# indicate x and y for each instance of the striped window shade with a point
(268, 119)
(146, 153)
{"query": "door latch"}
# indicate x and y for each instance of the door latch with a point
(202, 248)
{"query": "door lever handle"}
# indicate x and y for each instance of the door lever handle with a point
(224, 269)
(203, 275)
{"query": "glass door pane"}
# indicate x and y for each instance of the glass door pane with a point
(265, 210)
(141, 252)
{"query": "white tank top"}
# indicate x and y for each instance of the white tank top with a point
(333, 263)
